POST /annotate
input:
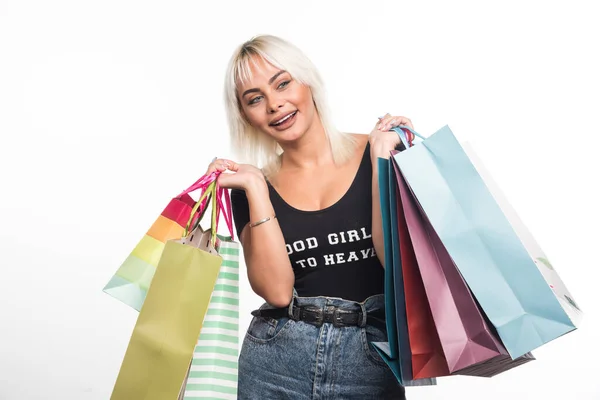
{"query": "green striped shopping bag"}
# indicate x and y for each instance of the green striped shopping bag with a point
(213, 371)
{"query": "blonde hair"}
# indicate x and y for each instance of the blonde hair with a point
(253, 146)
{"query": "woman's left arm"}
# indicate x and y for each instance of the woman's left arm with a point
(382, 142)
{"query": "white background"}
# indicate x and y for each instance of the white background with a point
(108, 109)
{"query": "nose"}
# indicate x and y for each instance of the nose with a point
(275, 103)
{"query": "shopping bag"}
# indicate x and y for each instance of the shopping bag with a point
(396, 351)
(497, 267)
(131, 281)
(427, 355)
(469, 345)
(555, 282)
(213, 372)
(167, 329)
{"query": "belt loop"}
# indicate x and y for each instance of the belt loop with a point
(291, 306)
(363, 317)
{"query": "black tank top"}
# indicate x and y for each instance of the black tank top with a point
(331, 250)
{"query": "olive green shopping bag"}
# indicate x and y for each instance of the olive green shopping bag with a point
(162, 344)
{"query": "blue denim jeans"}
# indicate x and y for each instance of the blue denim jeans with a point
(287, 359)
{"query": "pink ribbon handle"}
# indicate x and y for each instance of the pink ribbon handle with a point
(220, 194)
(201, 183)
(226, 209)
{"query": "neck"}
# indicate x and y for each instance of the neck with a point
(310, 151)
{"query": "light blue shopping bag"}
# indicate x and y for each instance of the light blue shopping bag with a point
(504, 274)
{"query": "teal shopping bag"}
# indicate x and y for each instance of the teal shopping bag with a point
(504, 273)
(396, 351)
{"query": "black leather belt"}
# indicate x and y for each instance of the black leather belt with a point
(317, 316)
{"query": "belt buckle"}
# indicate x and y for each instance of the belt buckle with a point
(331, 315)
(311, 310)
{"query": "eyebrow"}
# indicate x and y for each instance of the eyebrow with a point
(271, 80)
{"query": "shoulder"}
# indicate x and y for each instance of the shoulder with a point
(362, 145)
(361, 140)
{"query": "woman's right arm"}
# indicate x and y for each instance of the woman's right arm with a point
(269, 268)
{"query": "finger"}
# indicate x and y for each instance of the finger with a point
(382, 121)
(232, 166)
(211, 168)
(397, 121)
(223, 165)
(228, 165)
(215, 165)
(387, 123)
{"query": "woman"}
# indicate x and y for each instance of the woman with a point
(310, 225)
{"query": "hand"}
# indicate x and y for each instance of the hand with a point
(235, 176)
(387, 122)
(382, 139)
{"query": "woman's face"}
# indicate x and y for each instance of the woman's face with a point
(276, 104)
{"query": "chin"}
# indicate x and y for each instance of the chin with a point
(291, 136)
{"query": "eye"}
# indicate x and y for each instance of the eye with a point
(254, 100)
(283, 84)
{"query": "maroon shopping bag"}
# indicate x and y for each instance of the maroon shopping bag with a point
(469, 344)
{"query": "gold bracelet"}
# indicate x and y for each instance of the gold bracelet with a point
(262, 221)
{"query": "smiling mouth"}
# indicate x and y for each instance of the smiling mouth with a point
(282, 120)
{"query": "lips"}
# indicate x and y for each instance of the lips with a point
(283, 119)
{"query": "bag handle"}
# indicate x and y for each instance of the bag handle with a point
(401, 131)
(201, 183)
(212, 191)
(223, 193)
(209, 192)
(223, 206)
